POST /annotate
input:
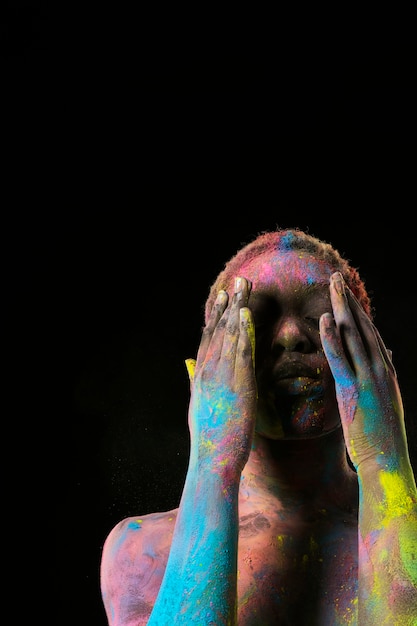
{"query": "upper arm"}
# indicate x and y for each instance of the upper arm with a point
(132, 566)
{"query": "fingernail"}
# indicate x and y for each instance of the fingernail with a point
(327, 321)
(339, 284)
(238, 284)
(221, 296)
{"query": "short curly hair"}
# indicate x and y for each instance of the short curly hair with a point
(291, 239)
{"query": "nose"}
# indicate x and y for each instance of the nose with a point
(291, 335)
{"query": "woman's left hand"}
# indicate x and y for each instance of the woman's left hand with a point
(368, 395)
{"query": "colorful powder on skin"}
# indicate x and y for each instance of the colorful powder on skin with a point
(211, 440)
(250, 330)
(397, 502)
(134, 525)
(348, 400)
(408, 553)
(370, 407)
(218, 432)
(309, 272)
(286, 242)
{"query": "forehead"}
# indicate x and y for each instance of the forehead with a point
(286, 267)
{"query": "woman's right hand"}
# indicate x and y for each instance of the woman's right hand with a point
(223, 400)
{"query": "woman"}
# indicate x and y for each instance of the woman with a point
(299, 504)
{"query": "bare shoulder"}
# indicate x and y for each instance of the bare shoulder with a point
(148, 535)
(133, 563)
(136, 528)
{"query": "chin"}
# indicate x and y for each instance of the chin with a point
(297, 416)
(295, 426)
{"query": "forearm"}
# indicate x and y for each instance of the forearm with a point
(388, 547)
(200, 581)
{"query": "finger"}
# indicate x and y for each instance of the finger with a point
(348, 325)
(376, 350)
(232, 329)
(386, 352)
(245, 381)
(334, 351)
(190, 365)
(219, 308)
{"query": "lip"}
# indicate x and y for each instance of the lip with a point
(299, 385)
(292, 370)
(295, 378)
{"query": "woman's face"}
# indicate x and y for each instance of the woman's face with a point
(290, 291)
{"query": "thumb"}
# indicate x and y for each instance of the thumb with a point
(190, 365)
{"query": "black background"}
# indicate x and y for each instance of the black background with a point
(142, 155)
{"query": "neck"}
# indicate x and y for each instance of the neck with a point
(308, 470)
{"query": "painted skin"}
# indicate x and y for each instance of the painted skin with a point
(274, 526)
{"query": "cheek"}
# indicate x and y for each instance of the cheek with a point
(330, 400)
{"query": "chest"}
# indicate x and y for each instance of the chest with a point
(304, 577)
